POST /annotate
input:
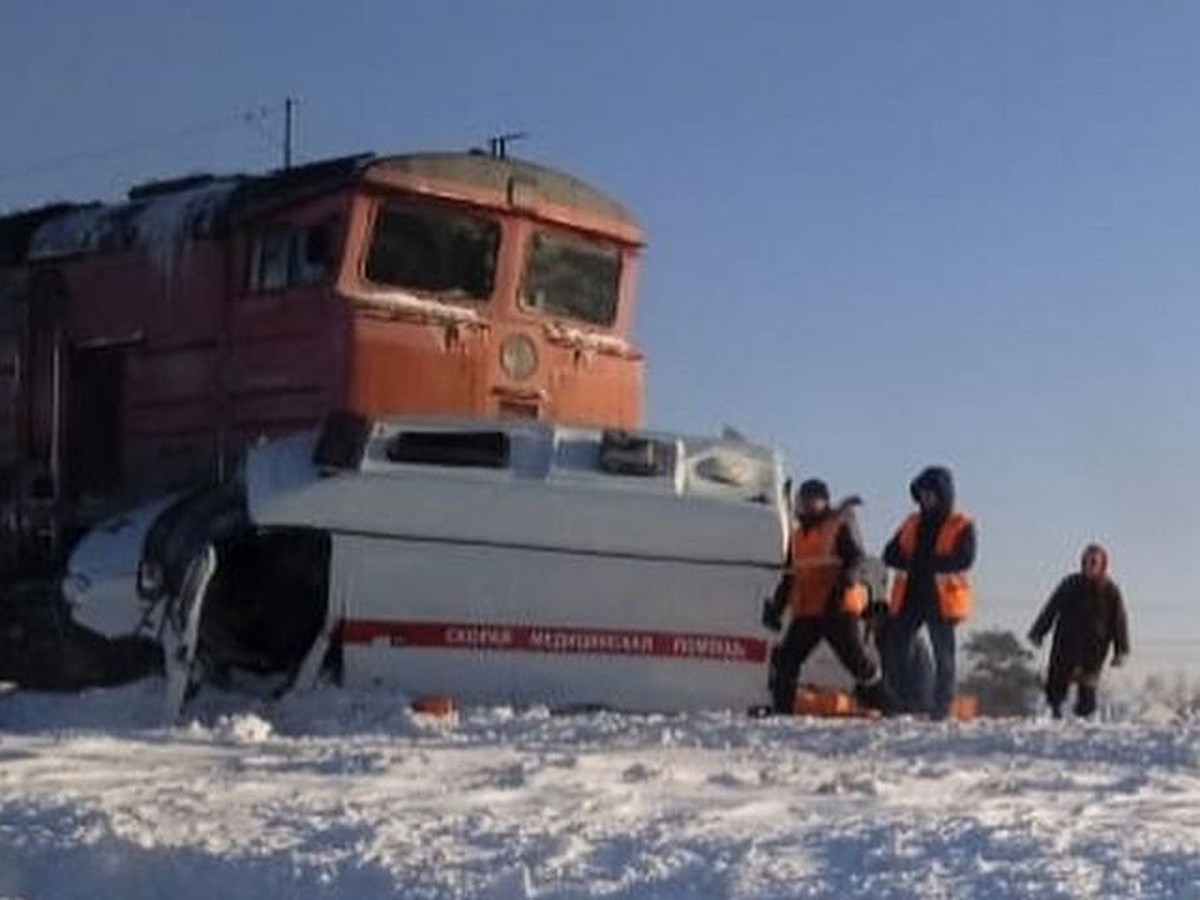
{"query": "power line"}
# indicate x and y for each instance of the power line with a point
(248, 118)
(255, 123)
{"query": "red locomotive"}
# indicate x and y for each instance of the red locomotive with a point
(145, 344)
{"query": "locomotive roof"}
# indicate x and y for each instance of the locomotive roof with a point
(164, 212)
(484, 171)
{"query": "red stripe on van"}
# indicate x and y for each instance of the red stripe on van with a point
(555, 639)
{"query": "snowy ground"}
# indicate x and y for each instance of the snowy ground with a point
(334, 796)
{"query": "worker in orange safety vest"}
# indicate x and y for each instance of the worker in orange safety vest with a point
(930, 553)
(826, 599)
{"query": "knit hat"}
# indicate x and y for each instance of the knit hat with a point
(814, 488)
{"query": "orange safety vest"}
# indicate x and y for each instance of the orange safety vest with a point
(955, 602)
(816, 568)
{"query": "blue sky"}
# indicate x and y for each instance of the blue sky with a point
(881, 234)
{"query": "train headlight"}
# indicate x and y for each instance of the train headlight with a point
(518, 357)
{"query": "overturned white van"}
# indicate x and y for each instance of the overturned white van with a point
(490, 562)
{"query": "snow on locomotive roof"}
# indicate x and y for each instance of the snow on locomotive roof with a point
(158, 223)
(161, 215)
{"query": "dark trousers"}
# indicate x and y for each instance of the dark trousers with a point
(844, 635)
(1059, 680)
(900, 636)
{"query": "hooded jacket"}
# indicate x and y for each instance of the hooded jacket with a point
(931, 552)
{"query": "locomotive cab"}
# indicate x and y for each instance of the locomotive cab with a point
(523, 277)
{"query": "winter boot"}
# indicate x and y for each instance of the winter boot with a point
(783, 697)
(875, 695)
(1085, 700)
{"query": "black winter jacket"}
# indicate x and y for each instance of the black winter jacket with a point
(1088, 617)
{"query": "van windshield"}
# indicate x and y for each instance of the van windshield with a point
(572, 277)
(433, 249)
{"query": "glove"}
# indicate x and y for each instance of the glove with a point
(772, 616)
(1034, 639)
(1118, 660)
(847, 504)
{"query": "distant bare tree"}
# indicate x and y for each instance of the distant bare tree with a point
(1000, 674)
(1176, 693)
(1155, 688)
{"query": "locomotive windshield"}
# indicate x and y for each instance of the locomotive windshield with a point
(572, 277)
(433, 249)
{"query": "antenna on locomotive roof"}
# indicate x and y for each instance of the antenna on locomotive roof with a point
(289, 105)
(498, 145)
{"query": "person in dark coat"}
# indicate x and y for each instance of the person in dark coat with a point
(823, 590)
(1087, 614)
(931, 552)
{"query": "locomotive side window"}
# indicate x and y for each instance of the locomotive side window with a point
(283, 256)
(314, 251)
(269, 257)
(435, 250)
(572, 277)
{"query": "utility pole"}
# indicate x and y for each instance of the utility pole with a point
(288, 105)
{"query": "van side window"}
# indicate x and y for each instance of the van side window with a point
(622, 453)
(471, 449)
